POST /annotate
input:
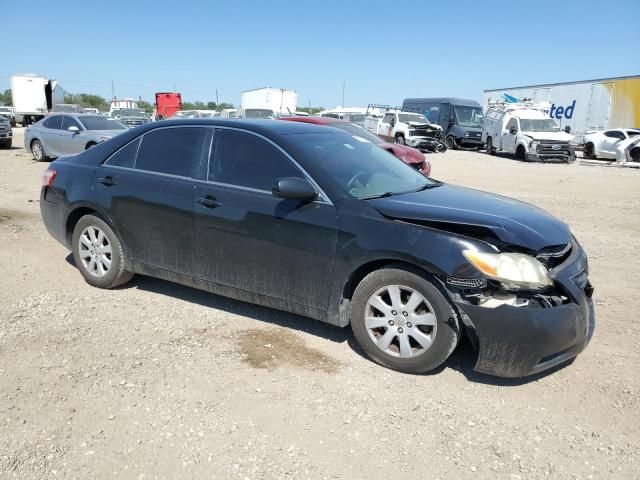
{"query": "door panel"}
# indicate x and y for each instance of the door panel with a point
(258, 243)
(152, 213)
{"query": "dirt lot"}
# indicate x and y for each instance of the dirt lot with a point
(155, 380)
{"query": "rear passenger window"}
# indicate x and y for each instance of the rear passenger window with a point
(174, 151)
(126, 156)
(247, 160)
(54, 122)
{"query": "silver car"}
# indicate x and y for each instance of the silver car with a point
(68, 134)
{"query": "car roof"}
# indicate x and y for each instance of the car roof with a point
(314, 120)
(262, 126)
(463, 102)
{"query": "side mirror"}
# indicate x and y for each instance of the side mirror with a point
(567, 129)
(73, 129)
(295, 189)
(513, 131)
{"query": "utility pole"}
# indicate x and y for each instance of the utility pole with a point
(217, 102)
(113, 90)
(344, 83)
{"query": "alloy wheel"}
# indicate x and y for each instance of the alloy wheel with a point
(95, 251)
(400, 321)
(37, 151)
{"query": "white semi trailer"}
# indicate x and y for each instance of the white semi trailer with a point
(33, 96)
(268, 102)
(584, 105)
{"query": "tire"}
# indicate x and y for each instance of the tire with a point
(450, 142)
(90, 237)
(588, 151)
(400, 140)
(6, 144)
(37, 150)
(89, 145)
(489, 147)
(443, 330)
(520, 153)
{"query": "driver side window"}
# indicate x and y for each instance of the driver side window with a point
(387, 118)
(246, 160)
(513, 124)
(69, 122)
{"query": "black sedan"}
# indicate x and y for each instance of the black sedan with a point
(323, 223)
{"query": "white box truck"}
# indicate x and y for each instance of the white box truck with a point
(584, 105)
(33, 97)
(268, 102)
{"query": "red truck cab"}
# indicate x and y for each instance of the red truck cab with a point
(167, 103)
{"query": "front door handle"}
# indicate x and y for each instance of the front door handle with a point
(107, 181)
(209, 202)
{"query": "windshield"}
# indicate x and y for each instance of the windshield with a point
(357, 130)
(539, 125)
(65, 108)
(258, 113)
(359, 167)
(469, 116)
(100, 123)
(412, 117)
(131, 112)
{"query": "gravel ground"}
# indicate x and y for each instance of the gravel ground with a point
(156, 380)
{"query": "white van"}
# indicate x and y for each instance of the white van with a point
(526, 131)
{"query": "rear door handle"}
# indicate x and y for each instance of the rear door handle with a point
(107, 181)
(209, 202)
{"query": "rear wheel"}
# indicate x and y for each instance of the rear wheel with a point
(403, 321)
(400, 140)
(489, 148)
(98, 253)
(38, 151)
(89, 145)
(588, 151)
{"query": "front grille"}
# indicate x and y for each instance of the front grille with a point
(424, 132)
(134, 123)
(554, 148)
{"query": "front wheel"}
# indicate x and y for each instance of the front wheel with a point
(98, 253)
(400, 140)
(38, 151)
(588, 151)
(451, 143)
(402, 320)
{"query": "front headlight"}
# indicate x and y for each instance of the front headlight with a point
(513, 269)
(533, 145)
(466, 134)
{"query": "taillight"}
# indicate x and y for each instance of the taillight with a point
(47, 177)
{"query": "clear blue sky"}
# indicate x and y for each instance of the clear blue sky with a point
(384, 50)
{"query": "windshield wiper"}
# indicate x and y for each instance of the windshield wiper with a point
(427, 186)
(379, 195)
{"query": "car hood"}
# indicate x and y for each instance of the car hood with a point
(403, 152)
(453, 208)
(555, 136)
(424, 124)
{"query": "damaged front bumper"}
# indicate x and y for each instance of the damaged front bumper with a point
(516, 341)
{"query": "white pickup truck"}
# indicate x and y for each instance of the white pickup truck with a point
(526, 131)
(404, 128)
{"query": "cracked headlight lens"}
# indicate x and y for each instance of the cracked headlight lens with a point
(513, 269)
